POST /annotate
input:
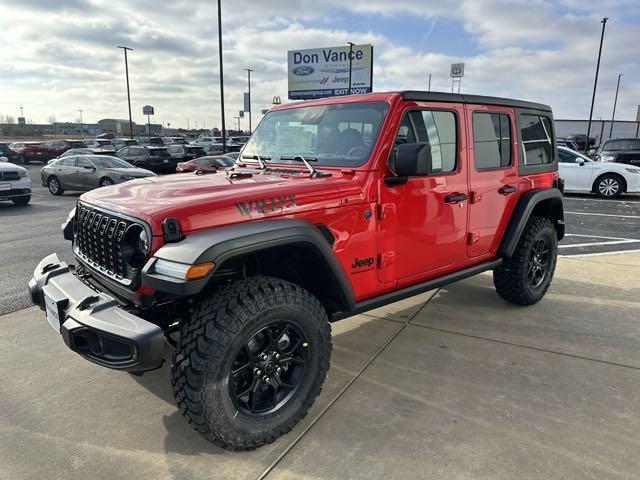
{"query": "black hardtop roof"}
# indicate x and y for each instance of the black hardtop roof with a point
(422, 96)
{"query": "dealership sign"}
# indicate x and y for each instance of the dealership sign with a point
(324, 72)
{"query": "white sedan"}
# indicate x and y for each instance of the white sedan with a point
(607, 179)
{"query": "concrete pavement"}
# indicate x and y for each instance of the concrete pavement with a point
(458, 384)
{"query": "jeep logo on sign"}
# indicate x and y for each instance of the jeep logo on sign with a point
(266, 205)
(303, 70)
(362, 262)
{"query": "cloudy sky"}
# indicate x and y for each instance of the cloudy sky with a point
(58, 56)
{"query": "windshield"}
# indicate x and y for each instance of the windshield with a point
(628, 144)
(109, 162)
(340, 135)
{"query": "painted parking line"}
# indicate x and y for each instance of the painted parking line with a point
(597, 244)
(599, 254)
(604, 214)
(596, 236)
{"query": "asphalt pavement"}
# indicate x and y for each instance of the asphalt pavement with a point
(29, 233)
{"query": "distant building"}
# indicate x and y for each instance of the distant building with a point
(70, 128)
(599, 128)
(118, 127)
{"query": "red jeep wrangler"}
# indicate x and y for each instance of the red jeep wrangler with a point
(335, 206)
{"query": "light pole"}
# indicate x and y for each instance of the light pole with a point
(595, 84)
(351, 44)
(249, 95)
(224, 135)
(126, 69)
(238, 120)
(81, 125)
(615, 102)
(429, 86)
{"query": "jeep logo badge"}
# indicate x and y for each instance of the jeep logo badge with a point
(362, 262)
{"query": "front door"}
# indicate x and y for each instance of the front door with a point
(493, 175)
(422, 223)
(86, 176)
(576, 171)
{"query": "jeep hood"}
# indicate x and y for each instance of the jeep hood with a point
(200, 201)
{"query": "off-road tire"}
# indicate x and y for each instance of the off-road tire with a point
(52, 190)
(218, 325)
(510, 278)
(21, 201)
(609, 185)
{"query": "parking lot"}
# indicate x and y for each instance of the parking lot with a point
(488, 389)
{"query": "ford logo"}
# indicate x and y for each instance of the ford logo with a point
(303, 70)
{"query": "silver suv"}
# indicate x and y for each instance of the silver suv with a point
(15, 184)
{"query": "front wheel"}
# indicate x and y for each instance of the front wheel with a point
(250, 361)
(524, 278)
(105, 182)
(54, 186)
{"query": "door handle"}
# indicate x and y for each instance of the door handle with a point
(506, 190)
(455, 198)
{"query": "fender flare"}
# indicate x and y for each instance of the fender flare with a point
(547, 200)
(223, 243)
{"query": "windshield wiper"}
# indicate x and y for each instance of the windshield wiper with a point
(306, 160)
(262, 159)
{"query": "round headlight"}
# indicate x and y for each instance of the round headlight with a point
(143, 242)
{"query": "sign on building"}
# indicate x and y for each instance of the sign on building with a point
(324, 72)
(457, 70)
(147, 110)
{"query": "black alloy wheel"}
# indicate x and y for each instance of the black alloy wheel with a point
(539, 261)
(268, 368)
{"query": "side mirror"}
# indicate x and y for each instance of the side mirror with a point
(3, 159)
(411, 159)
(579, 161)
(592, 151)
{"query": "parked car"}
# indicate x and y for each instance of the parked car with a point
(15, 184)
(104, 144)
(175, 141)
(25, 152)
(212, 148)
(620, 150)
(184, 153)
(232, 155)
(206, 141)
(4, 150)
(251, 268)
(607, 179)
(565, 142)
(206, 164)
(86, 151)
(152, 141)
(55, 148)
(124, 142)
(156, 159)
(579, 139)
(86, 172)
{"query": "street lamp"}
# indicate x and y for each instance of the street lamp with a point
(224, 135)
(595, 84)
(249, 95)
(81, 125)
(615, 102)
(126, 69)
(351, 44)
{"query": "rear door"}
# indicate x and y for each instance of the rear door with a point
(422, 224)
(493, 175)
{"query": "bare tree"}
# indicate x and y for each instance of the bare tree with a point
(10, 119)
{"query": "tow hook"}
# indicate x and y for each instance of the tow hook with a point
(86, 302)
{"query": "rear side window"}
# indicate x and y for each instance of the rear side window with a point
(536, 139)
(491, 140)
(67, 162)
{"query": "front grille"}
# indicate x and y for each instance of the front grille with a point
(98, 242)
(9, 176)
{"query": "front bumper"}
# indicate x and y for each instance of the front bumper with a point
(18, 188)
(92, 323)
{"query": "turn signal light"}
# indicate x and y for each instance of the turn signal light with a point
(198, 271)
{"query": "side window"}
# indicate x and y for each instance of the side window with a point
(405, 131)
(536, 139)
(437, 129)
(491, 140)
(124, 151)
(68, 162)
(566, 157)
(83, 162)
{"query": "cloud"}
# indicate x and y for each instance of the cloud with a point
(59, 56)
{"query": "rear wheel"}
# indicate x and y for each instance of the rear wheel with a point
(524, 278)
(20, 201)
(609, 186)
(54, 186)
(251, 361)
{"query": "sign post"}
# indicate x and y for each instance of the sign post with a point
(330, 71)
(457, 72)
(148, 111)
